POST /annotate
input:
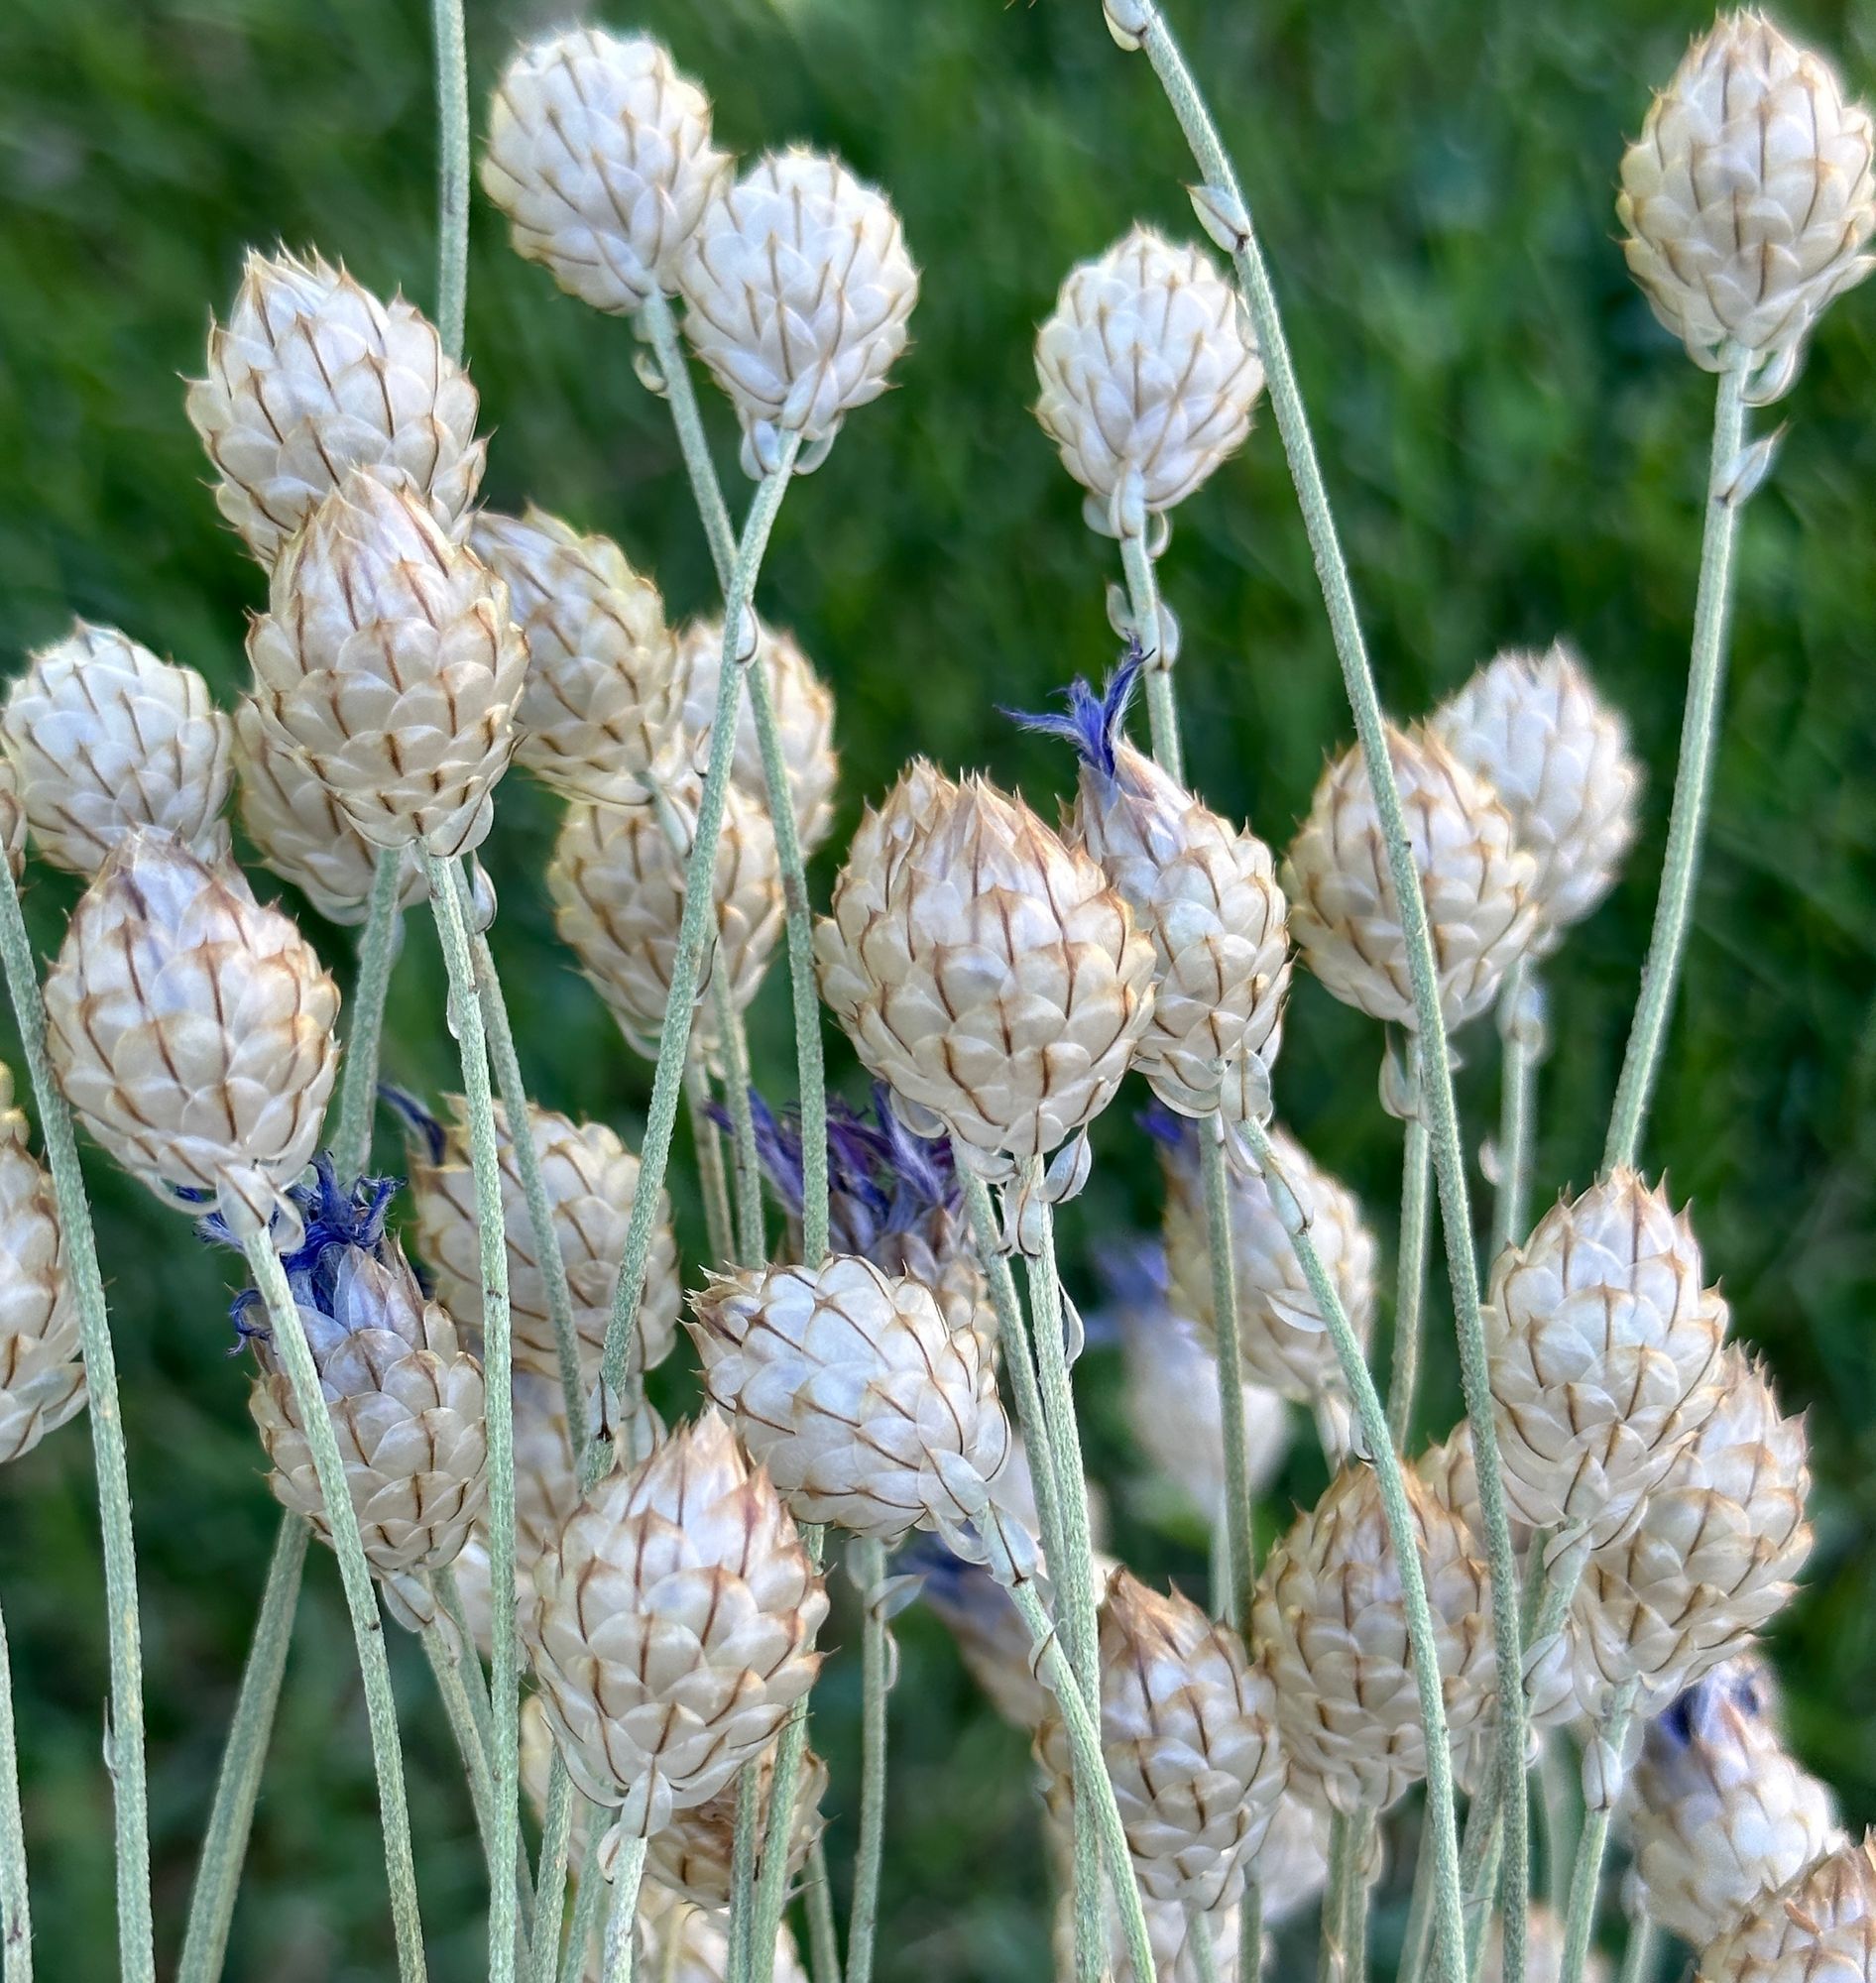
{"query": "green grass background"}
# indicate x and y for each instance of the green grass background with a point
(1515, 450)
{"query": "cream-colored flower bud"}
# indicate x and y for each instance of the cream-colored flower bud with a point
(1722, 1814)
(191, 1029)
(1535, 730)
(618, 890)
(1291, 1866)
(804, 721)
(311, 376)
(1749, 195)
(797, 289)
(1187, 1729)
(1333, 1628)
(1282, 1334)
(691, 1856)
(12, 818)
(1478, 884)
(670, 1626)
(1149, 371)
(683, 1943)
(405, 1399)
(1207, 895)
(1720, 1539)
(103, 737)
(42, 1374)
(302, 832)
(983, 969)
(389, 662)
(601, 699)
(1818, 1927)
(600, 155)
(1603, 1341)
(591, 1179)
(850, 1386)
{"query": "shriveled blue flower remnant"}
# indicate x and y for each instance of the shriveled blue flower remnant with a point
(1093, 723)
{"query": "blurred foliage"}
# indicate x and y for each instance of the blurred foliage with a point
(1515, 450)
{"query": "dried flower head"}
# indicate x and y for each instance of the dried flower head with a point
(1818, 1927)
(1749, 195)
(600, 700)
(12, 818)
(984, 970)
(1149, 371)
(1204, 891)
(1478, 881)
(405, 1399)
(1533, 727)
(1332, 1623)
(600, 155)
(1282, 1334)
(1722, 1814)
(679, 1942)
(311, 376)
(191, 1030)
(590, 1180)
(618, 888)
(691, 1856)
(804, 721)
(849, 1385)
(102, 736)
(670, 1626)
(1188, 1731)
(42, 1374)
(798, 287)
(1602, 1340)
(387, 661)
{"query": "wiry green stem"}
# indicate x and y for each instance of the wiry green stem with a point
(1199, 1943)
(465, 1005)
(1585, 1875)
(453, 174)
(628, 1876)
(243, 1758)
(1239, 1562)
(1693, 777)
(823, 1942)
(719, 1219)
(350, 1142)
(454, 1695)
(743, 1849)
(1410, 1284)
(752, 1242)
(361, 1601)
(693, 933)
(586, 1904)
(1162, 714)
(1521, 1028)
(124, 1733)
(876, 1658)
(1250, 1934)
(551, 1881)
(16, 1910)
(1638, 1958)
(1230, 218)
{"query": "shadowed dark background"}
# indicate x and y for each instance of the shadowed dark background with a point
(1515, 450)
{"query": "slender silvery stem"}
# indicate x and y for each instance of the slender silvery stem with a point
(1521, 1028)
(823, 1942)
(1398, 1514)
(876, 1664)
(1199, 1943)
(587, 1901)
(1239, 1562)
(1355, 1912)
(551, 1881)
(1163, 714)
(1250, 1933)
(752, 1242)
(628, 1875)
(1222, 205)
(1335, 1904)
(1562, 1796)
(16, 1911)
(361, 1601)
(742, 1848)
(1585, 1875)
(1410, 1282)
(692, 934)
(454, 1695)
(1694, 775)
(719, 1219)
(124, 1732)
(496, 1350)
(1639, 1956)
(810, 1064)
(243, 1758)
(365, 1018)
(452, 171)
(1092, 1783)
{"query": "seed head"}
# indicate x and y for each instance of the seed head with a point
(1534, 728)
(191, 1030)
(670, 1626)
(600, 701)
(600, 155)
(1149, 371)
(683, 1943)
(1749, 195)
(804, 720)
(1604, 1342)
(1333, 1626)
(797, 289)
(102, 736)
(849, 1385)
(312, 376)
(1818, 1927)
(389, 662)
(984, 970)
(618, 890)
(691, 1856)
(42, 1374)
(12, 818)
